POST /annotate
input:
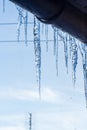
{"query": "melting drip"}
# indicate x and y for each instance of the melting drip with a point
(22, 19)
(37, 49)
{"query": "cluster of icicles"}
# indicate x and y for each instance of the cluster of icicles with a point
(71, 47)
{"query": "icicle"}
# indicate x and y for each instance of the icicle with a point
(70, 44)
(22, 19)
(74, 50)
(66, 51)
(42, 28)
(84, 58)
(3, 5)
(61, 36)
(26, 26)
(46, 35)
(64, 39)
(56, 47)
(37, 49)
(55, 38)
(20, 13)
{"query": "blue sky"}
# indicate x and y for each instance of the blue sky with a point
(61, 106)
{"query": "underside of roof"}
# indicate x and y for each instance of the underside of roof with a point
(67, 15)
(80, 4)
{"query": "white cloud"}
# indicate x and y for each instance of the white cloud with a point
(74, 120)
(20, 94)
(47, 95)
(62, 96)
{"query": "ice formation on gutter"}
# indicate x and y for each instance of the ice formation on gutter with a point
(71, 47)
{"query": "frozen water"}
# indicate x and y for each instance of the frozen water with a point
(83, 50)
(46, 35)
(22, 20)
(66, 51)
(26, 26)
(74, 56)
(56, 47)
(71, 46)
(37, 48)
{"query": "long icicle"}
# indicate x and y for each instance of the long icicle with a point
(26, 26)
(56, 47)
(54, 29)
(66, 51)
(20, 21)
(37, 49)
(84, 58)
(70, 45)
(74, 50)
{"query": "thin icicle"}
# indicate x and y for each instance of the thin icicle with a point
(84, 58)
(74, 50)
(64, 38)
(56, 47)
(22, 19)
(26, 26)
(55, 38)
(66, 51)
(61, 36)
(70, 45)
(37, 49)
(46, 35)
(3, 5)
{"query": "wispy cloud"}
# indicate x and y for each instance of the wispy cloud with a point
(20, 94)
(61, 96)
(47, 95)
(50, 95)
(73, 120)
